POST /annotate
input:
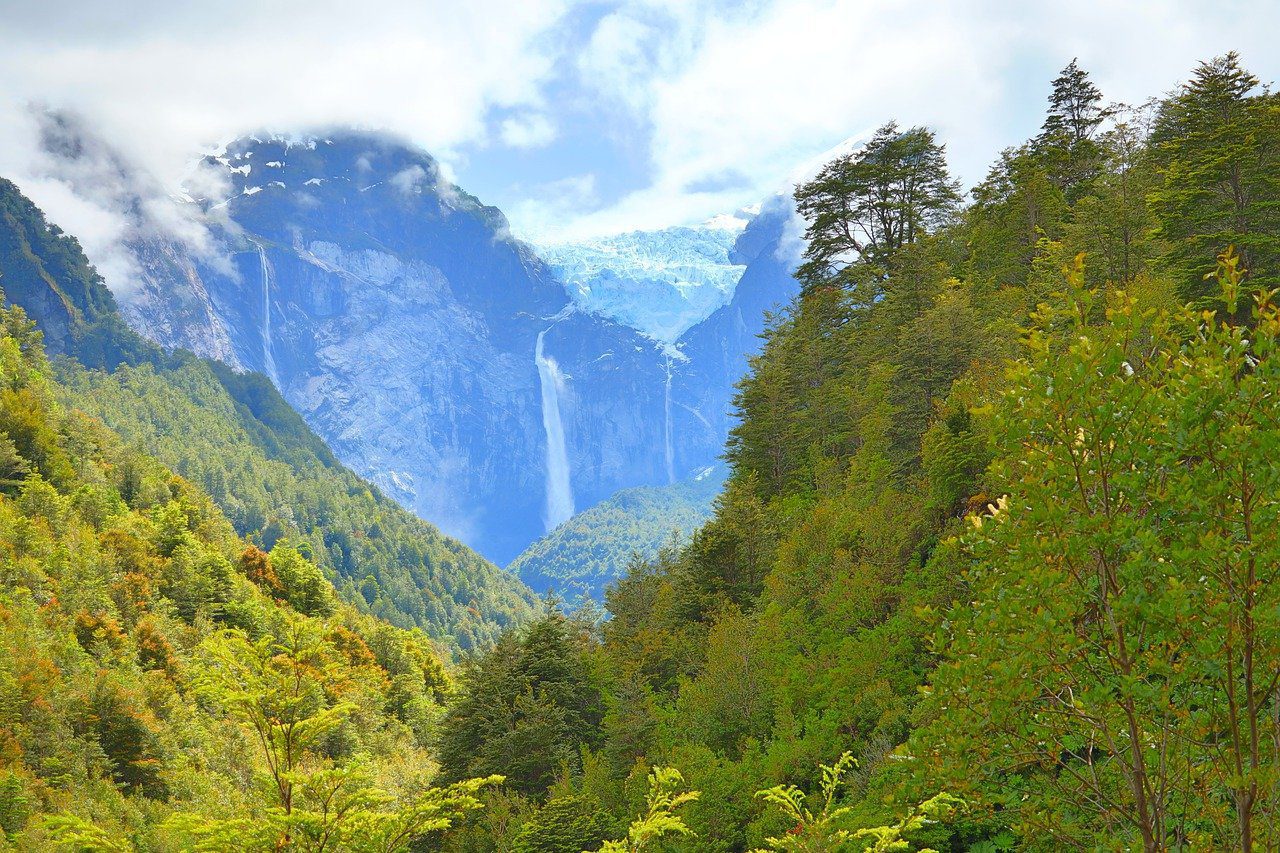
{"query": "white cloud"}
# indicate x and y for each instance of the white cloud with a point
(615, 61)
(409, 180)
(722, 98)
(532, 130)
(757, 93)
(180, 78)
(541, 214)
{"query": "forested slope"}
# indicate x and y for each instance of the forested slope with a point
(1011, 455)
(165, 684)
(585, 554)
(235, 436)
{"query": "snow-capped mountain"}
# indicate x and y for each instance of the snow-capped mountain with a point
(660, 283)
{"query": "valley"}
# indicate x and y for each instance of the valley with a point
(703, 483)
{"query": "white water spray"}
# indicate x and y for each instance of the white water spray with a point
(268, 347)
(667, 429)
(559, 489)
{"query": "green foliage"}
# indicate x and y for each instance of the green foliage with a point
(829, 830)
(812, 831)
(154, 697)
(525, 707)
(1217, 146)
(886, 839)
(1066, 142)
(567, 824)
(1121, 597)
(660, 818)
(866, 205)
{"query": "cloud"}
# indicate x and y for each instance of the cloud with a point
(409, 180)
(762, 92)
(546, 206)
(703, 105)
(93, 192)
(179, 78)
(533, 130)
(618, 60)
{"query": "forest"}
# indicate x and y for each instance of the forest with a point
(994, 567)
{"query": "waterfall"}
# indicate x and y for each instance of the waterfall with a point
(559, 489)
(666, 427)
(268, 347)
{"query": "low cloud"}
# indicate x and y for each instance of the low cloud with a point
(408, 181)
(96, 194)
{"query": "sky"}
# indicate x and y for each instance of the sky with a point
(581, 119)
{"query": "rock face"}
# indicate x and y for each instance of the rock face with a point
(397, 314)
(581, 557)
(715, 352)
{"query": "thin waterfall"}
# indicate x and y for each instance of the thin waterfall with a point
(268, 347)
(559, 489)
(666, 428)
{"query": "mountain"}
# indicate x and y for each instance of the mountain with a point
(657, 282)
(233, 435)
(584, 555)
(435, 354)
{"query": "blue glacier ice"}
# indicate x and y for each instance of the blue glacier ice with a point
(660, 283)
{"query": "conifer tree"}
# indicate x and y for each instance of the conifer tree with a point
(1217, 146)
(1066, 141)
(863, 207)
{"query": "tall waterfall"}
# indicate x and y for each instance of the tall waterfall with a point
(268, 347)
(666, 427)
(559, 489)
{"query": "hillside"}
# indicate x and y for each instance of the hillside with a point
(158, 669)
(1000, 527)
(585, 554)
(232, 434)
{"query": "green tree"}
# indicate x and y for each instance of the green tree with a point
(274, 687)
(863, 207)
(567, 824)
(1109, 677)
(1066, 142)
(525, 708)
(660, 818)
(13, 467)
(1217, 146)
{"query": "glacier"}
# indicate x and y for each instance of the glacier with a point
(660, 283)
